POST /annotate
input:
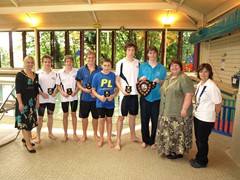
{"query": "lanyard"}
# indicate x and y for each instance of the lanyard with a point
(198, 102)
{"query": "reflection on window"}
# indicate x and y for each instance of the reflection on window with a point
(30, 44)
(4, 50)
(74, 43)
(17, 50)
(187, 52)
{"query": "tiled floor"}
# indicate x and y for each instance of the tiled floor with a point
(76, 160)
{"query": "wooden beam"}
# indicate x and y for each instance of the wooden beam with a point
(15, 2)
(225, 7)
(100, 7)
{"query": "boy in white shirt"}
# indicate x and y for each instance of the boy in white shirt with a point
(69, 95)
(47, 98)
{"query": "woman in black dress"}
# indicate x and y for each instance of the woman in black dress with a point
(26, 84)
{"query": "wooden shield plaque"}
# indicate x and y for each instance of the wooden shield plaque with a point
(144, 87)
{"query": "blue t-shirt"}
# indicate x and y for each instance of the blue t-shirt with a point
(159, 71)
(104, 83)
(84, 75)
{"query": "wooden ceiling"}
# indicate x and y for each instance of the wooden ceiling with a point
(110, 14)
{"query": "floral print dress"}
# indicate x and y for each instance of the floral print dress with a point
(174, 133)
(28, 89)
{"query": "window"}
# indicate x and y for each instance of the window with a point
(155, 39)
(30, 44)
(74, 44)
(59, 49)
(105, 45)
(45, 44)
(187, 53)
(4, 50)
(17, 49)
(172, 46)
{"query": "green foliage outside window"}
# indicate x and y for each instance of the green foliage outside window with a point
(56, 47)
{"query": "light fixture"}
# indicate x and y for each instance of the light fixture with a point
(167, 20)
(32, 21)
(97, 26)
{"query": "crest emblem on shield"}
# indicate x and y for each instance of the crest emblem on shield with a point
(144, 87)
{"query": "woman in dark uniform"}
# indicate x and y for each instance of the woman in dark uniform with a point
(26, 84)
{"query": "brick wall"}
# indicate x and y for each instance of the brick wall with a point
(234, 151)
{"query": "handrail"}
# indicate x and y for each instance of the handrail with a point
(3, 107)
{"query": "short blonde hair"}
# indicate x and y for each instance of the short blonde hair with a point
(90, 52)
(25, 60)
(69, 57)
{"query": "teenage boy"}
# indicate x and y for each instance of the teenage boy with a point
(87, 99)
(149, 106)
(47, 91)
(126, 79)
(105, 89)
(69, 95)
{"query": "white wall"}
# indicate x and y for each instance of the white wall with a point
(225, 48)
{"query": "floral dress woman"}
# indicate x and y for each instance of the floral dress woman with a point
(174, 132)
(28, 89)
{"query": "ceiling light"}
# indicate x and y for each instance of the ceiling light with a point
(168, 19)
(32, 21)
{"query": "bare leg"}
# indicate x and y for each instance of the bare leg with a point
(65, 127)
(74, 124)
(109, 132)
(119, 132)
(134, 138)
(27, 136)
(95, 127)
(39, 127)
(50, 125)
(101, 130)
(84, 127)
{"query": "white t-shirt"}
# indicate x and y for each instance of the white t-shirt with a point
(205, 111)
(47, 81)
(68, 81)
(130, 70)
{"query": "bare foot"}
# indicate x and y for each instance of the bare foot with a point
(37, 141)
(143, 145)
(96, 137)
(118, 147)
(83, 138)
(64, 139)
(152, 147)
(51, 136)
(100, 143)
(34, 136)
(76, 138)
(135, 139)
(110, 143)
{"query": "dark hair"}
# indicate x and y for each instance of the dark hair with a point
(47, 57)
(208, 67)
(152, 48)
(106, 60)
(175, 61)
(128, 45)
